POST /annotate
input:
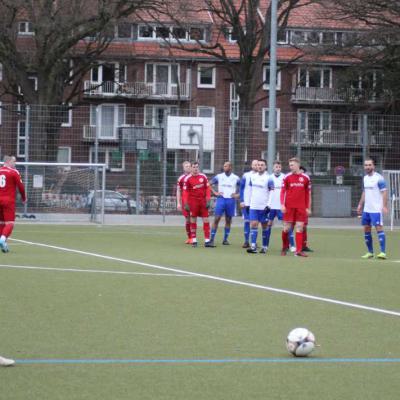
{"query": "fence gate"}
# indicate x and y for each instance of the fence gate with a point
(393, 180)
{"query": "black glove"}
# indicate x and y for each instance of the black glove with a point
(267, 209)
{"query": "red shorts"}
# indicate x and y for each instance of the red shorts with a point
(198, 208)
(7, 212)
(295, 215)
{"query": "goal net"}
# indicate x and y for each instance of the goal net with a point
(62, 192)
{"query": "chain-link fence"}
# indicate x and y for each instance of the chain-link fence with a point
(143, 148)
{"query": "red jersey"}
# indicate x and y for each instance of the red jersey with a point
(296, 191)
(182, 186)
(10, 180)
(198, 187)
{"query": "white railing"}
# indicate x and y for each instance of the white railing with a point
(333, 95)
(104, 132)
(338, 138)
(138, 89)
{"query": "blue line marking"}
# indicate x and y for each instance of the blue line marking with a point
(216, 361)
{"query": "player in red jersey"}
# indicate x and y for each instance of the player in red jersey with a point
(10, 180)
(182, 196)
(199, 201)
(295, 205)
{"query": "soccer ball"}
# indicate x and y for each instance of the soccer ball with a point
(300, 342)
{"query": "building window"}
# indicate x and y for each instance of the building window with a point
(355, 123)
(267, 77)
(110, 117)
(25, 28)
(315, 77)
(66, 115)
(112, 157)
(317, 162)
(234, 102)
(205, 111)
(208, 161)
(265, 119)
(21, 139)
(64, 155)
(156, 116)
(206, 76)
(283, 36)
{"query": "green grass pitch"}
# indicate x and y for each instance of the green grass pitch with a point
(152, 314)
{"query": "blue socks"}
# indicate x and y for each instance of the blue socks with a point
(254, 233)
(266, 234)
(368, 241)
(382, 241)
(227, 231)
(246, 231)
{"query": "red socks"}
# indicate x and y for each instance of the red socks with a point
(299, 242)
(187, 226)
(285, 240)
(193, 229)
(206, 229)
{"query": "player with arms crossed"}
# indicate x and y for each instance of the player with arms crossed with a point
(198, 203)
(10, 180)
(276, 212)
(260, 186)
(226, 194)
(182, 196)
(372, 204)
(245, 201)
(295, 205)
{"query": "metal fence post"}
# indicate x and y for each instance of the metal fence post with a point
(365, 141)
(27, 130)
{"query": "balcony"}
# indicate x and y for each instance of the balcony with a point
(138, 90)
(338, 139)
(334, 96)
(104, 133)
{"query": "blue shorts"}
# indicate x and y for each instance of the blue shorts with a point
(371, 219)
(275, 214)
(225, 206)
(259, 215)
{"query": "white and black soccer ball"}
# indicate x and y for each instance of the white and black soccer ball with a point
(300, 342)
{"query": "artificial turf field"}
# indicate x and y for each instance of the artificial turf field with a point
(156, 333)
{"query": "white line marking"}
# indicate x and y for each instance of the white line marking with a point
(93, 271)
(220, 279)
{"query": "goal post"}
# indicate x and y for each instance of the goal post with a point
(63, 192)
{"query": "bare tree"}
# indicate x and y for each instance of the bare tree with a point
(46, 48)
(372, 48)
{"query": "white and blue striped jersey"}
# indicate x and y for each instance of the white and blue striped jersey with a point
(260, 187)
(275, 195)
(374, 185)
(227, 184)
